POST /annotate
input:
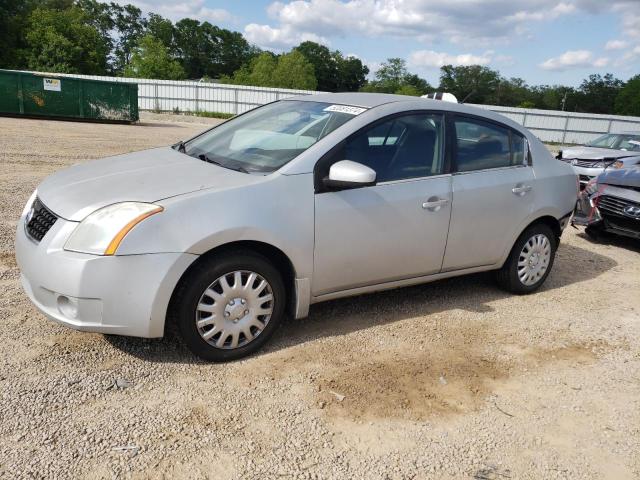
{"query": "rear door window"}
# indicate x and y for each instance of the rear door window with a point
(481, 145)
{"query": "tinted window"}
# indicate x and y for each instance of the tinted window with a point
(403, 147)
(481, 145)
(520, 149)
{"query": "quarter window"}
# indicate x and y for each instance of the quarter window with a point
(482, 145)
(404, 147)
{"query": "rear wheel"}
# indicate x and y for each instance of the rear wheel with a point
(228, 306)
(530, 260)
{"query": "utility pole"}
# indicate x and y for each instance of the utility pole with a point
(564, 100)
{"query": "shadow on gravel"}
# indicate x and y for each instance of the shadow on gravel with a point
(472, 293)
(613, 240)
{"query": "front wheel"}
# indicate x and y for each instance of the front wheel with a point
(228, 306)
(530, 260)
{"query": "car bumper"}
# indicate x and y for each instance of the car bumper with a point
(587, 174)
(597, 212)
(123, 295)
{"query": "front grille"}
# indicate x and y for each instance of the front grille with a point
(587, 163)
(39, 220)
(584, 163)
(615, 205)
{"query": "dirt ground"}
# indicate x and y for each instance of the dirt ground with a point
(454, 379)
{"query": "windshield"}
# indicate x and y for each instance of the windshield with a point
(617, 141)
(268, 137)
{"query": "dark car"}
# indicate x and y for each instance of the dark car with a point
(611, 203)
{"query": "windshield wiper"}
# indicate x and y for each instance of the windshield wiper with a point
(204, 158)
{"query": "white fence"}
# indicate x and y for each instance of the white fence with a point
(567, 127)
(189, 96)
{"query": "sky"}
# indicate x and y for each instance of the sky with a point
(541, 41)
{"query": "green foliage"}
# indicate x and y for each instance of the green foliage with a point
(393, 77)
(409, 90)
(473, 83)
(95, 37)
(291, 70)
(64, 41)
(333, 71)
(151, 59)
(294, 71)
(628, 100)
(205, 49)
(598, 94)
(215, 115)
(526, 104)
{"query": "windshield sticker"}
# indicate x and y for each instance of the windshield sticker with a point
(345, 109)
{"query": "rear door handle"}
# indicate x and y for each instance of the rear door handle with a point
(521, 189)
(434, 203)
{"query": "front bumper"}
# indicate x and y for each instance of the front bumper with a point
(123, 295)
(604, 211)
(586, 174)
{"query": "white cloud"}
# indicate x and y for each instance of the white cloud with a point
(431, 59)
(195, 9)
(615, 45)
(279, 38)
(574, 59)
(467, 22)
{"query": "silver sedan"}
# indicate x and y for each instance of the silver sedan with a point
(297, 202)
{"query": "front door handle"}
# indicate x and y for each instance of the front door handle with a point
(433, 204)
(521, 190)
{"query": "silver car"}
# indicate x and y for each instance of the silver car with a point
(610, 151)
(297, 202)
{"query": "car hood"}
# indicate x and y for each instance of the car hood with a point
(593, 153)
(623, 177)
(145, 176)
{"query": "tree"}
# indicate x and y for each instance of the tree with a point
(151, 59)
(294, 71)
(628, 99)
(291, 70)
(65, 41)
(324, 63)
(597, 94)
(162, 29)
(352, 73)
(14, 18)
(473, 83)
(130, 26)
(393, 77)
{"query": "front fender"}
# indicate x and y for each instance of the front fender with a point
(277, 211)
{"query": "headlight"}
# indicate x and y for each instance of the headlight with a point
(618, 164)
(591, 187)
(102, 231)
(32, 199)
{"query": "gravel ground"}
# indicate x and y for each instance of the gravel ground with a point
(454, 379)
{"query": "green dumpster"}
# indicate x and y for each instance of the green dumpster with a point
(46, 95)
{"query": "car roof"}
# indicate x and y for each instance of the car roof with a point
(357, 99)
(372, 100)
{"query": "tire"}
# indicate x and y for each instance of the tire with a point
(209, 303)
(533, 274)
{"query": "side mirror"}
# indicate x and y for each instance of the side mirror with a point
(348, 174)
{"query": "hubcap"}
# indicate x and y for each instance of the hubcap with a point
(534, 259)
(234, 309)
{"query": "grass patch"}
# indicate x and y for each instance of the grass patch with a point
(215, 115)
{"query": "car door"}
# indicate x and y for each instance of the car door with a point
(492, 190)
(395, 229)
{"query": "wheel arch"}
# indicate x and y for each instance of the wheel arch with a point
(279, 259)
(549, 220)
